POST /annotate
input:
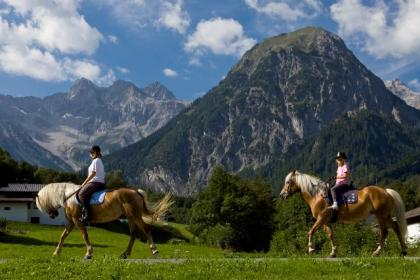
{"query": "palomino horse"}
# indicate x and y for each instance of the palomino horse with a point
(383, 203)
(130, 203)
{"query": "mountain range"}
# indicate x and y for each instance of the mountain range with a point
(284, 91)
(57, 131)
(401, 90)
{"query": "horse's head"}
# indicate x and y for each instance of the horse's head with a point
(53, 196)
(290, 187)
(52, 212)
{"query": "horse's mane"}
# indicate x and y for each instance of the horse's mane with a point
(309, 183)
(53, 196)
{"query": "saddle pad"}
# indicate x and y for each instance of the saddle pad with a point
(96, 198)
(349, 197)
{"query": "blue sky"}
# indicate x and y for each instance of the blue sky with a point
(188, 45)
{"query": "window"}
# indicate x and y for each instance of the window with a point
(7, 208)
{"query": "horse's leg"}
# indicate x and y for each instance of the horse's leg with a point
(145, 228)
(383, 229)
(329, 233)
(89, 249)
(69, 227)
(397, 230)
(132, 226)
(311, 233)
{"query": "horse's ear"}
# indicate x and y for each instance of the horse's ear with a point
(294, 171)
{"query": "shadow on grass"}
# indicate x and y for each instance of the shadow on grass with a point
(161, 234)
(24, 240)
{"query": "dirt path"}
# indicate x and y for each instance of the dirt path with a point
(180, 261)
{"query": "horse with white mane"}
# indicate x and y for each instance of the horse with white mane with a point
(127, 202)
(383, 203)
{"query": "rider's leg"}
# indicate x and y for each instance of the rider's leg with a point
(334, 191)
(84, 197)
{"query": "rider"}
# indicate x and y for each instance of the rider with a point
(94, 182)
(342, 179)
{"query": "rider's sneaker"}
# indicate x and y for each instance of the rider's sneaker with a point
(334, 206)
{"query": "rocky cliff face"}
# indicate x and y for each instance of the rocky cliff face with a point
(401, 90)
(284, 89)
(64, 125)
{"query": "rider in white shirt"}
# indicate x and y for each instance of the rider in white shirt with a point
(94, 182)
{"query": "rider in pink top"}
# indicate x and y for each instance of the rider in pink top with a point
(343, 177)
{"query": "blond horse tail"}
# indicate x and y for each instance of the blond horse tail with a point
(151, 213)
(399, 212)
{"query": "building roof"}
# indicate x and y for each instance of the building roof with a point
(413, 216)
(16, 199)
(25, 188)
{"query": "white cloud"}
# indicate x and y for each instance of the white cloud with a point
(31, 62)
(138, 14)
(195, 61)
(123, 70)
(52, 25)
(172, 16)
(169, 72)
(220, 36)
(285, 11)
(415, 84)
(113, 39)
(107, 79)
(384, 30)
(35, 42)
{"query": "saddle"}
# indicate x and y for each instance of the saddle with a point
(96, 198)
(346, 196)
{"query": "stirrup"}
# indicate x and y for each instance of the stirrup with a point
(333, 208)
(84, 218)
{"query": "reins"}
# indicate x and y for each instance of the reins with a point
(73, 193)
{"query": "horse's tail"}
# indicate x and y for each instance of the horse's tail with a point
(151, 213)
(399, 212)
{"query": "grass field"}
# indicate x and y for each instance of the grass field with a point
(26, 253)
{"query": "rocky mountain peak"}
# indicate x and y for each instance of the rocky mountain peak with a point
(309, 40)
(159, 91)
(285, 89)
(122, 85)
(400, 89)
(81, 86)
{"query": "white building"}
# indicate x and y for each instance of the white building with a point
(17, 203)
(413, 230)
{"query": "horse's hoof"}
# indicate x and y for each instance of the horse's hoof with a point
(403, 254)
(333, 256)
(87, 257)
(155, 252)
(123, 256)
(311, 250)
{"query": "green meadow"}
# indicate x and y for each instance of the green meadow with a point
(26, 253)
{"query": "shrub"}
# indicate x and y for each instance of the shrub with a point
(218, 236)
(3, 224)
(234, 210)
